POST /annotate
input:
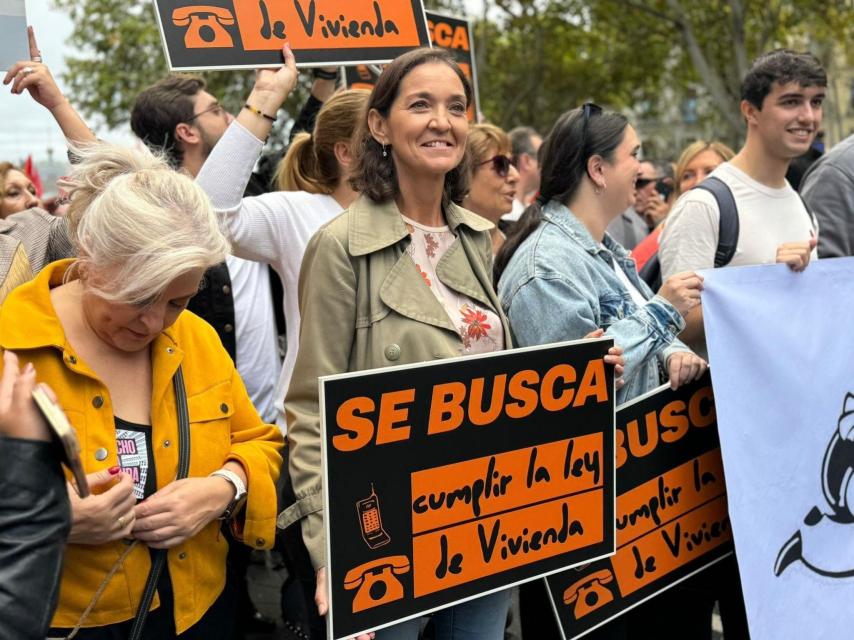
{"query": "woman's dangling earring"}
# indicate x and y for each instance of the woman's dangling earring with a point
(385, 151)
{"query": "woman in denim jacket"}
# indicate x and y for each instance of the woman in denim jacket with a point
(562, 276)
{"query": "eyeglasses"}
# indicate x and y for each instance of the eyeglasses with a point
(640, 183)
(215, 108)
(500, 164)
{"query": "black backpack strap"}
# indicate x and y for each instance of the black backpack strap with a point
(728, 227)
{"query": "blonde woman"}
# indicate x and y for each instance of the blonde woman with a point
(170, 438)
(494, 178)
(696, 162)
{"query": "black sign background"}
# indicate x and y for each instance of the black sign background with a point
(636, 471)
(385, 469)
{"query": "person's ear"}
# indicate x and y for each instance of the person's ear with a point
(749, 111)
(343, 154)
(378, 126)
(186, 134)
(596, 171)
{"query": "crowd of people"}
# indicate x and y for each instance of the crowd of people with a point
(391, 232)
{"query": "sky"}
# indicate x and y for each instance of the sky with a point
(26, 127)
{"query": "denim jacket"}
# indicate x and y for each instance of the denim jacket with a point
(560, 285)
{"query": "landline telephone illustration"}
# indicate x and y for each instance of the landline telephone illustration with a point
(376, 582)
(206, 26)
(371, 522)
(589, 593)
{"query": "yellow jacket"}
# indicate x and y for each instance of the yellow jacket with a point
(223, 426)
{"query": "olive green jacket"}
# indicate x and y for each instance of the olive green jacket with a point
(364, 305)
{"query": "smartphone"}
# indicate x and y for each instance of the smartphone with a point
(664, 188)
(62, 431)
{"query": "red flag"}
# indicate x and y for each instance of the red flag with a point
(33, 174)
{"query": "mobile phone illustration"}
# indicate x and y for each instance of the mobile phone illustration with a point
(370, 521)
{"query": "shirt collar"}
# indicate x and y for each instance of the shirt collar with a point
(561, 216)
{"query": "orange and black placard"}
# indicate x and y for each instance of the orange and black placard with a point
(450, 479)
(235, 34)
(446, 32)
(672, 520)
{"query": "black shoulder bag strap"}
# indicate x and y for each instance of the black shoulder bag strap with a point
(728, 226)
(159, 555)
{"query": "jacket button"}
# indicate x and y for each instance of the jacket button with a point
(392, 352)
(226, 289)
(182, 556)
(167, 444)
(223, 407)
(228, 328)
(101, 454)
(259, 542)
(72, 359)
(170, 350)
(98, 402)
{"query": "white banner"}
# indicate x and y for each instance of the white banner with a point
(783, 374)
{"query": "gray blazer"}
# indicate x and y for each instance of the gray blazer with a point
(45, 237)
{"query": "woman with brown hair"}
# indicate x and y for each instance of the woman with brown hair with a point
(494, 177)
(371, 294)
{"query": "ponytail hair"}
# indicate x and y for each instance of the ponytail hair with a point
(563, 166)
(310, 163)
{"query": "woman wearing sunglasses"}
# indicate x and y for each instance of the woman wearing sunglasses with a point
(494, 177)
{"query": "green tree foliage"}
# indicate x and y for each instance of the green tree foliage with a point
(536, 58)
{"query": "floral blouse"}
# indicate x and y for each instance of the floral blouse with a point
(479, 327)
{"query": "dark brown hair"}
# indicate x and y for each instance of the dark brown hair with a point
(160, 108)
(374, 175)
(563, 160)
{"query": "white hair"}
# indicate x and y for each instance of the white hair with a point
(132, 215)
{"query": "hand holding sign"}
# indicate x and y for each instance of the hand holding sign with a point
(321, 599)
(272, 87)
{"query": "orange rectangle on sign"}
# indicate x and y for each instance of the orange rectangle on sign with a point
(454, 493)
(469, 551)
(325, 24)
(664, 550)
(671, 494)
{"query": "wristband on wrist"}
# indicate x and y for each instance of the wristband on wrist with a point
(323, 74)
(258, 112)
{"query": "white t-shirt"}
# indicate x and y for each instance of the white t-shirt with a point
(767, 218)
(637, 296)
(255, 333)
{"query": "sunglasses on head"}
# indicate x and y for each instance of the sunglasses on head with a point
(500, 164)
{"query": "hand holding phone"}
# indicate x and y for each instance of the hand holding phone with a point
(62, 431)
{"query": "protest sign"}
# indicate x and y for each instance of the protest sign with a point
(446, 32)
(448, 480)
(239, 34)
(14, 45)
(671, 509)
(784, 379)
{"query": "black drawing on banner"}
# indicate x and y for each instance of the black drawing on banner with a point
(370, 521)
(376, 582)
(589, 593)
(827, 529)
(205, 26)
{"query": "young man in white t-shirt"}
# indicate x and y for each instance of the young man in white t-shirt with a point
(782, 97)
